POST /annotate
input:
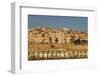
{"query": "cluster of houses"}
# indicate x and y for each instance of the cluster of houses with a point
(59, 36)
(43, 42)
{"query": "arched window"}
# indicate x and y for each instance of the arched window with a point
(43, 35)
(56, 40)
(50, 40)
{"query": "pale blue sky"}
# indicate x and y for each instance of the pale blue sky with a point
(73, 22)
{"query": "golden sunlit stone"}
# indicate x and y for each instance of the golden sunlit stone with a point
(53, 43)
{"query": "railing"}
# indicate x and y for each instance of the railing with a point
(57, 54)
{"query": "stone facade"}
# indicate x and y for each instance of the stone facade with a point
(52, 43)
(43, 35)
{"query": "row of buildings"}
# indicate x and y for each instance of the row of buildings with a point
(54, 43)
(52, 35)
